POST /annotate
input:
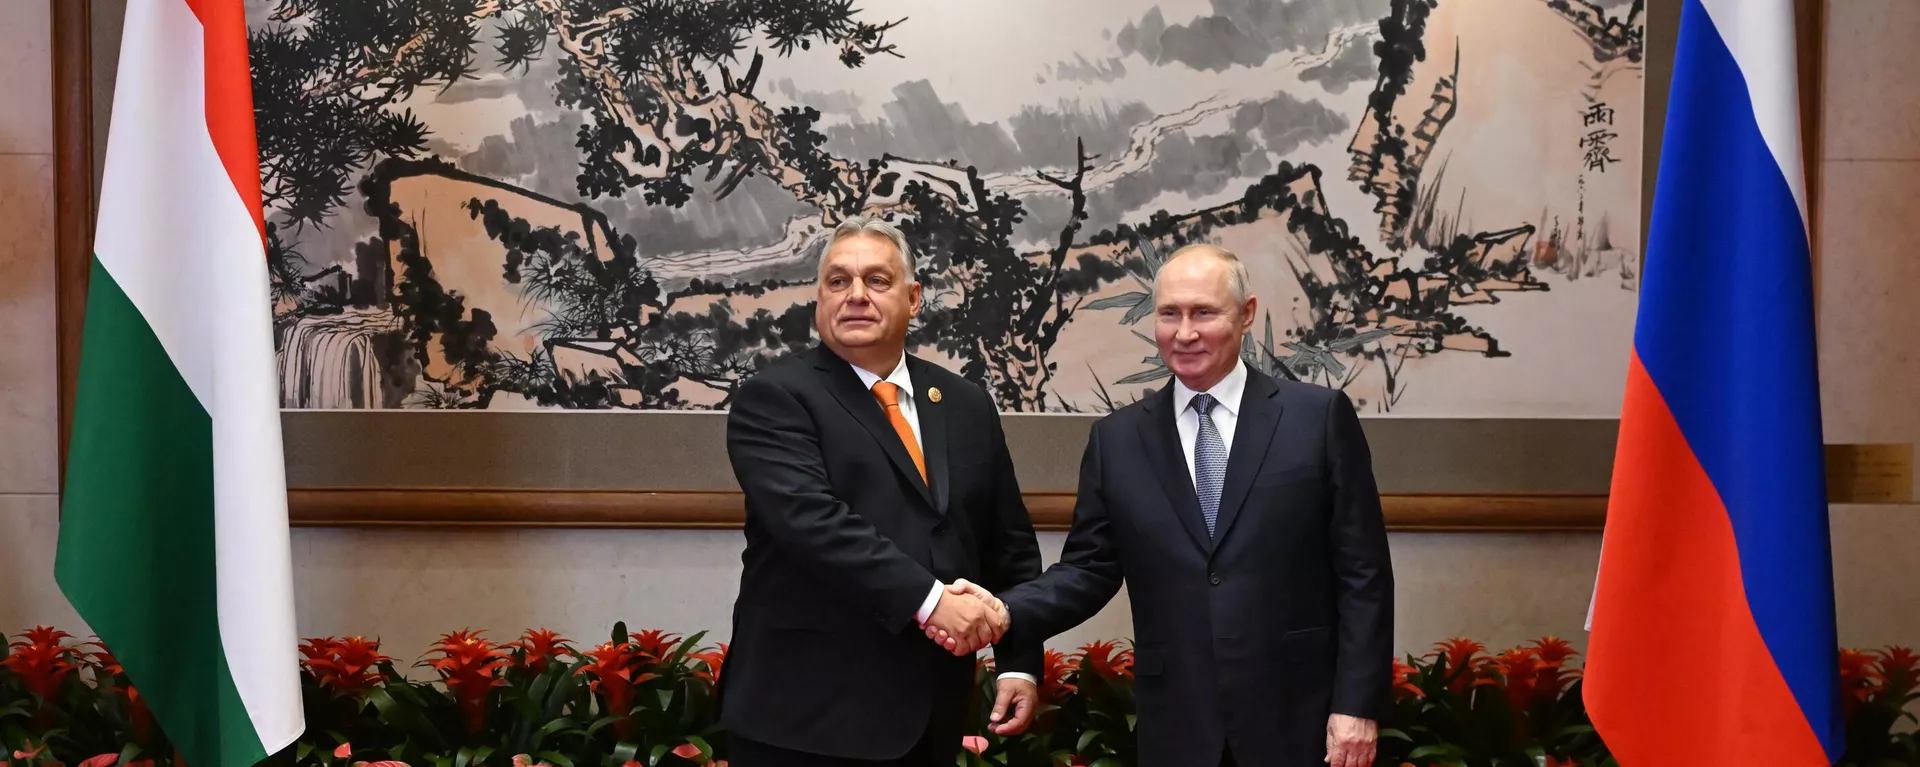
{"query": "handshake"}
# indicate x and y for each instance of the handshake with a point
(967, 619)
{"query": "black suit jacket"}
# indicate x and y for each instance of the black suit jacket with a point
(1256, 634)
(844, 542)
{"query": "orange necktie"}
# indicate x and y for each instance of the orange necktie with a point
(889, 396)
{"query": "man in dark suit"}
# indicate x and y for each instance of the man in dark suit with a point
(1242, 515)
(873, 479)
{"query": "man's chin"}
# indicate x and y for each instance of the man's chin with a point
(857, 339)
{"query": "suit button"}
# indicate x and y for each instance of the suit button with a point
(1214, 578)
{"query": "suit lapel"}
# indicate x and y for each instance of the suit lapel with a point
(933, 429)
(1162, 440)
(859, 402)
(1259, 414)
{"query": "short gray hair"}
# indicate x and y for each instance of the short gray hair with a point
(864, 225)
(1237, 278)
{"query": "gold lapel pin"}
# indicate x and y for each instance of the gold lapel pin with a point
(933, 394)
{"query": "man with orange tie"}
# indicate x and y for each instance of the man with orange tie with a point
(873, 479)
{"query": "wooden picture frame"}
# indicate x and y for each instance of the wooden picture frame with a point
(531, 469)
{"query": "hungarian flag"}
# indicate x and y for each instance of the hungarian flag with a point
(1713, 621)
(173, 530)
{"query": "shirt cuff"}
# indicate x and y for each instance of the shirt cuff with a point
(933, 600)
(1017, 675)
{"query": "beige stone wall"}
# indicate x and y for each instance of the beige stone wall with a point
(29, 466)
(1869, 251)
(407, 586)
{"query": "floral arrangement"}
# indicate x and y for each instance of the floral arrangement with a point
(646, 699)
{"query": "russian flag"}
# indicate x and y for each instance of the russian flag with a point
(1713, 636)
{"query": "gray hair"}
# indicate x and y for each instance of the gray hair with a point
(864, 225)
(1237, 279)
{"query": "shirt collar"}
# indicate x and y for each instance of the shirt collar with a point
(898, 377)
(1226, 393)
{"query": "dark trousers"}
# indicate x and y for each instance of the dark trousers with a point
(747, 753)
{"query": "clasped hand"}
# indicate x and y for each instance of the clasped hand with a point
(967, 619)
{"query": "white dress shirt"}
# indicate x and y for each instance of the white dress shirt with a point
(1225, 415)
(907, 400)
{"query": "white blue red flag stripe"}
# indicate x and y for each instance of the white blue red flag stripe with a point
(1713, 638)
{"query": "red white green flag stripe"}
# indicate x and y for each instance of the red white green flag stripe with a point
(173, 535)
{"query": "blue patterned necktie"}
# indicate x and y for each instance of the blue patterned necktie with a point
(1209, 461)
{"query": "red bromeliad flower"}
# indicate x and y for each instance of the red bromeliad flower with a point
(1899, 666)
(139, 716)
(1554, 676)
(1105, 661)
(43, 660)
(348, 666)
(711, 662)
(319, 647)
(470, 667)
(538, 647)
(1554, 650)
(1859, 680)
(1403, 686)
(656, 644)
(1459, 653)
(614, 669)
(1054, 687)
(1518, 672)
